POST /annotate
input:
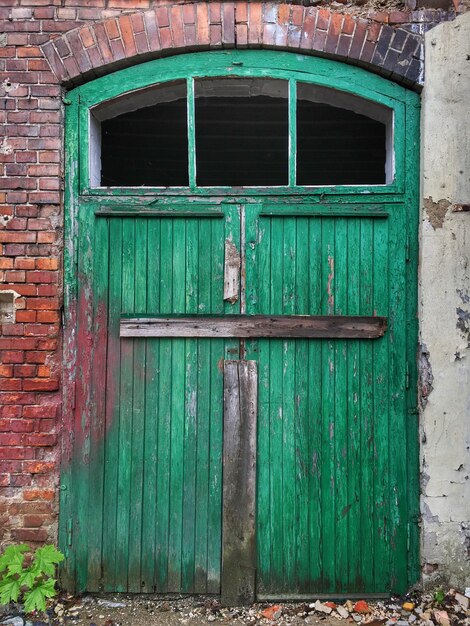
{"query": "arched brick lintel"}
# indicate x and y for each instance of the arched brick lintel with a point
(105, 46)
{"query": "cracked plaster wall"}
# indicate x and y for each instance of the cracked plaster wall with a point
(445, 305)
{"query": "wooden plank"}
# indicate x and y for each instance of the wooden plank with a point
(288, 326)
(145, 212)
(231, 272)
(239, 483)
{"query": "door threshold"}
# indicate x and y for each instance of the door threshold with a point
(263, 597)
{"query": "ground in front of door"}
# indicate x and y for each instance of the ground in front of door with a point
(437, 609)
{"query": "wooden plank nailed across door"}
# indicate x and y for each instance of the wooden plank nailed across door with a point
(239, 483)
(244, 326)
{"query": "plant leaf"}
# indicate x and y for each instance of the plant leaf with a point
(13, 555)
(9, 590)
(45, 560)
(27, 578)
(35, 599)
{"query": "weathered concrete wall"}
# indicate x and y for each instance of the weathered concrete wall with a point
(445, 305)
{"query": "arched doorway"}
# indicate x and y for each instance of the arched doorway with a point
(242, 228)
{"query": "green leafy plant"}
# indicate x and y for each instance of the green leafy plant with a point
(439, 596)
(30, 580)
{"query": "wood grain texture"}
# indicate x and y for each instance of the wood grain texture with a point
(306, 326)
(239, 483)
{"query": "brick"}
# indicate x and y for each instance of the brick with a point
(46, 425)
(254, 23)
(8, 439)
(25, 263)
(47, 264)
(127, 34)
(43, 371)
(16, 330)
(12, 356)
(15, 454)
(34, 521)
(15, 277)
(21, 426)
(177, 26)
(26, 316)
(24, 371)
(10, 384)
(20, 480)
(40, 411)
(35, 356)
(16, 398)
(11, 412)
(202, 29)
(39, 467)
(37, 535)
(39, 494)
(40, 439)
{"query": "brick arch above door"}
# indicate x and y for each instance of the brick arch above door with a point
(96, 49)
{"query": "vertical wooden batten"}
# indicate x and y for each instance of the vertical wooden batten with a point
(239, 483)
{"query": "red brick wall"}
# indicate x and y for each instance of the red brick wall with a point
(31, 217)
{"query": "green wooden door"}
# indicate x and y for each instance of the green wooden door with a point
(148, 514)
(336, 451)
(332, 503)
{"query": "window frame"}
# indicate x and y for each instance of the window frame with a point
(246, 64)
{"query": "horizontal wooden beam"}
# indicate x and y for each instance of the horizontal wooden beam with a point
(246, 326)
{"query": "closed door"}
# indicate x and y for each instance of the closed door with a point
(240, 320)
(331, 464)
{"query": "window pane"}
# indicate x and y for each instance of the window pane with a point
(241, 132)
(147, 146)
(338, 141)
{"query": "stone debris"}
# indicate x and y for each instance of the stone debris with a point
(437, 609)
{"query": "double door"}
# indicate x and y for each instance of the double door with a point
(174, 304)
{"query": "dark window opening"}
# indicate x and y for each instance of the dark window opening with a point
(240, 136)
(242, 132)
(149, 146)
(336, 146)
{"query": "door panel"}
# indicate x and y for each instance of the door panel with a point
(154, 479)
(331, 486)
(331, 514)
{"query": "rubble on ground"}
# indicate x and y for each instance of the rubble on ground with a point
(438, 609)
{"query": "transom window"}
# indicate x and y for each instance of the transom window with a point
(240, 132)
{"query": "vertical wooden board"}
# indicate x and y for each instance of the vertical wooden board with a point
(190, 470)
(113, 385)
(341, 280)
(315, 408)
(366, 400)
(382, 390)
(137, 494)
(152, 417)
(67, 504)
(239, 483)
(328, 486)
(201, 537)
(302, 417)
(276, 416)
(178, 409)
(398, 505)
(126, 414)
(83, 406)
(353, 434)
(290, 529)
(97, 426)
(218, 349)
(201, 532)
(164, 412)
